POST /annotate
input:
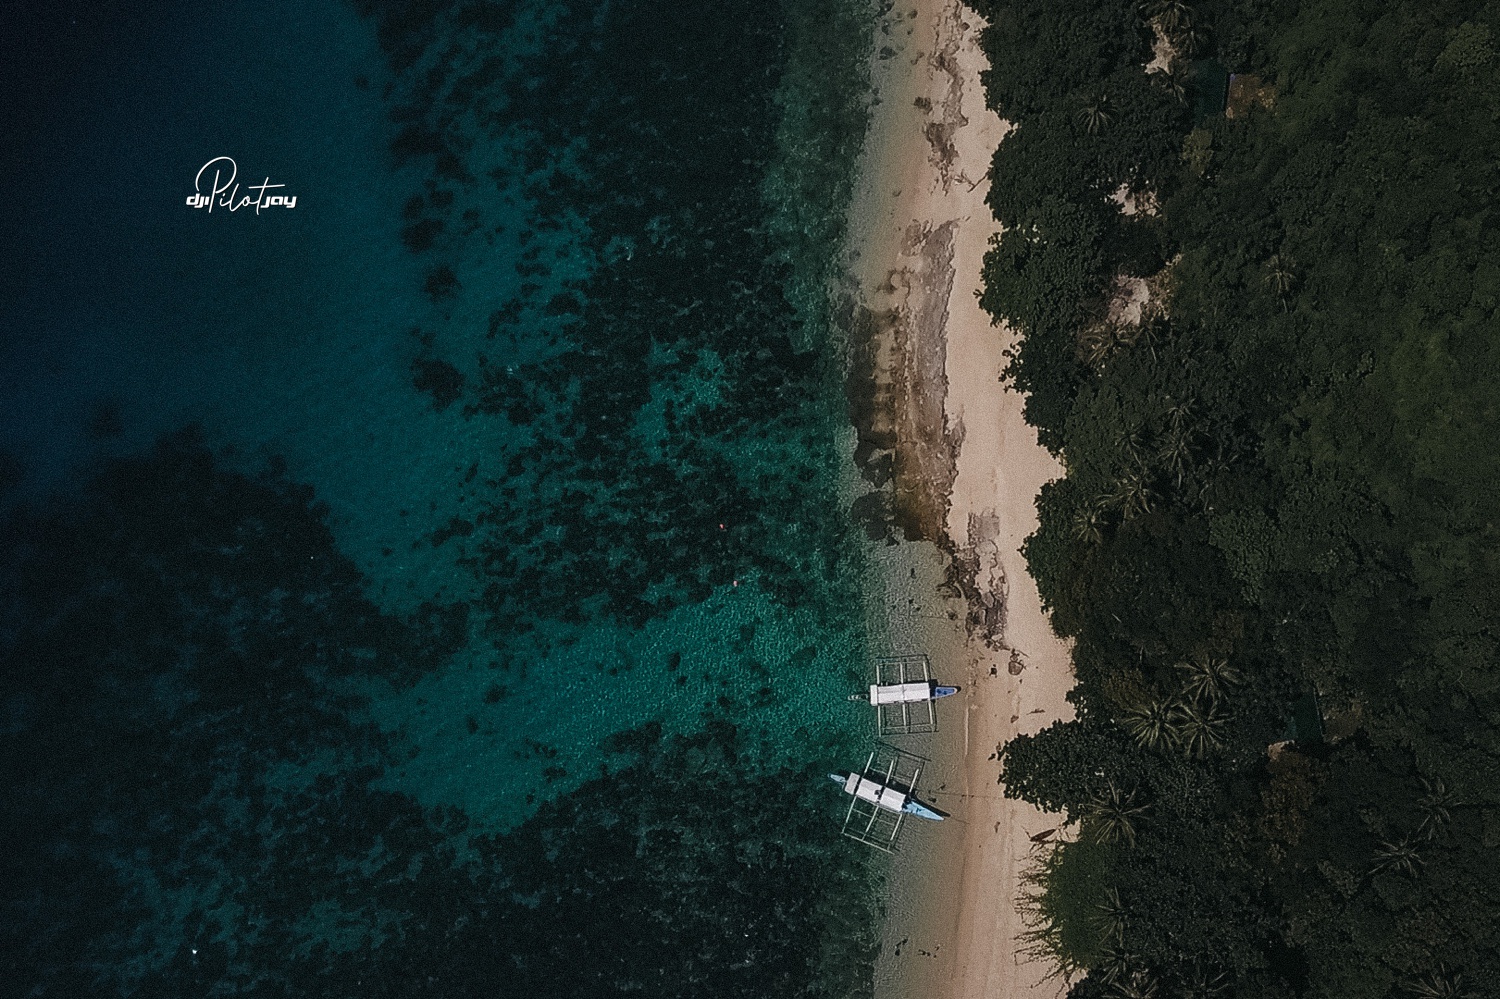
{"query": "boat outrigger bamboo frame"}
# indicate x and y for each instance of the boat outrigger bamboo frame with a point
(902, 692)
(882, 795)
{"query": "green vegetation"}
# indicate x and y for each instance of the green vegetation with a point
(1283, 483)
(1073, 914)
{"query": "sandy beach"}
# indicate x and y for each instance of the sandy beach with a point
(965, 469)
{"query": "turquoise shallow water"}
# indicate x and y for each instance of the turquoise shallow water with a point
(490, 631)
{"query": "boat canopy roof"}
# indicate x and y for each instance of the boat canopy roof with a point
(875, 793)
(900, 693)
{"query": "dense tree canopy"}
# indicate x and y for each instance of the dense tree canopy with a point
(1279, 523)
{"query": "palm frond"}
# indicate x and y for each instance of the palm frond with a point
(1208, 677)
(1152, 725)
(1111, 816)
(1397, 858)
(1201, 727)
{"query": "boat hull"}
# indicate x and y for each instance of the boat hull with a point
(921, 811)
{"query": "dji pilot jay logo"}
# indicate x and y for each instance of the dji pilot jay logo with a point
(219, 174)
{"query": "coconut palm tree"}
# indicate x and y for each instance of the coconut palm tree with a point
(1208, 678)
(1172, 15)
(1189, 39)
(1279, 276)
(1150, 332)
(1206, 983)
(1088, 524)
(1129, 441)
(1098, 115)
(1177, 79)
(1179, 412)
(1096, 345)
(1435, 802)
(1200, 727)
(1398, 858)
(1174, 451)
(1440, 984)
(1112, 918)
(1111, 816)
(1152, 725)
(1115, 964)
(1132, 493)
(1139, 985)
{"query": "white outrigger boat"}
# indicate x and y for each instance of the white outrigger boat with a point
(904, 693)
(886, 796)
(882, 795)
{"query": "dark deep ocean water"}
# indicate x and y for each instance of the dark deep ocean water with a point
(444, 586)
